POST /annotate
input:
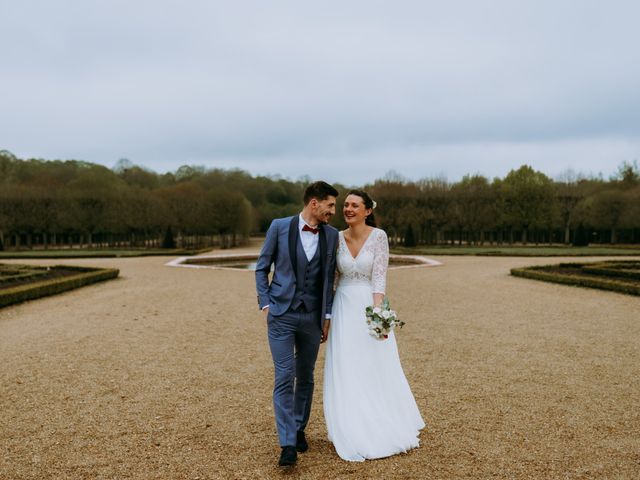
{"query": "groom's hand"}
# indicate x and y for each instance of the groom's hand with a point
(265, 311)
(325, 331)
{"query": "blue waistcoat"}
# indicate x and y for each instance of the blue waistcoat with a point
(308, 280)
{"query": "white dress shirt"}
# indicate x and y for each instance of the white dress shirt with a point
(309, 240)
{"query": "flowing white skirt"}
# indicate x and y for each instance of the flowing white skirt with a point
(368, 405)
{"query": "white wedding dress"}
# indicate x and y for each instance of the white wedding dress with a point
(368, 405)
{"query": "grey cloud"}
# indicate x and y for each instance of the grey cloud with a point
(272, 85)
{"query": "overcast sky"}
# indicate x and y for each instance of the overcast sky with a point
(340, 90)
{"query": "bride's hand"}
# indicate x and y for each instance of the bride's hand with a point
(378, 298)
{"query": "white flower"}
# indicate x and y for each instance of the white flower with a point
(381, 320)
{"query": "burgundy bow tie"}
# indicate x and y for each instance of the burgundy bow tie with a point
(307, 228)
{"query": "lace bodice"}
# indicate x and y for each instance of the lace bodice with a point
(369, 267)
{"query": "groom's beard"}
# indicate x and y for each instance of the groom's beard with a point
(323, 219)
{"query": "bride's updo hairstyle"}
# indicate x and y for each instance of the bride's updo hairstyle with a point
(368, 203)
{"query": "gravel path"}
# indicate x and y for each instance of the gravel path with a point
(165, 373)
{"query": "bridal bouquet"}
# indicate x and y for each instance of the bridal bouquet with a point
(381, 320)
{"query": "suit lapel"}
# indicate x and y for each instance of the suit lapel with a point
(322, 244)
(323, 265)
(293, 243)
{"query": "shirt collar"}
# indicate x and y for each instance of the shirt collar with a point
(302, 223)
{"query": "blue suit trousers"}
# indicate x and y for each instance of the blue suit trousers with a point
(294, 340)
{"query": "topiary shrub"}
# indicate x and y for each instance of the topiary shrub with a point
(581, 236)
(409, 237)
(168, 241)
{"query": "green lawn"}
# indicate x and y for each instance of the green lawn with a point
(519, 251)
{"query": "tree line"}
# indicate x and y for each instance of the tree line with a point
(525, 206)
(52, 204)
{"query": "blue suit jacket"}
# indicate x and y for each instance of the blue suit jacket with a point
(279, 249)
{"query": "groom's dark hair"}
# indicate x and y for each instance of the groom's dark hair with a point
(319, 190)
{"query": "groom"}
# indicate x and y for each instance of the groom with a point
(297, 305)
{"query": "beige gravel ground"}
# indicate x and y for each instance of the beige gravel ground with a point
(165, 373)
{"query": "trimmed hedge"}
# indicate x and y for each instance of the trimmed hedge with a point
(518, 251)
(12, 272)
(98, 253)
(613, 272)
(86, 276)
(583, 275)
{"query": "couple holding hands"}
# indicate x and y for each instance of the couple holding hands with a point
(369, 409)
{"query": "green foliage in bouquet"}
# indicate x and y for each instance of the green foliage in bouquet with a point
(381, 320)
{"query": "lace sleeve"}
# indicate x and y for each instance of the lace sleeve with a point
(380, 262)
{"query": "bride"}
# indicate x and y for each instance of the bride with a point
(368, 405)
